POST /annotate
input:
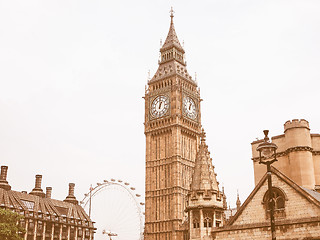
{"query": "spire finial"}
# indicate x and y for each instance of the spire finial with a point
(238, 203)
(171, 14)
(266, 138)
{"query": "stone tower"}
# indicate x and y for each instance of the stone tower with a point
(205, 201)
(172, 129)
(298, 154)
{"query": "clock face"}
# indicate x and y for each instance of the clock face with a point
(159, 106)
(189, 108)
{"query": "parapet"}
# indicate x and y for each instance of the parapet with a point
(296, 123)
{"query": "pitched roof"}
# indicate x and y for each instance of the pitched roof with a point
(172, 38)
(21, 201)
(310, 195)
(204, 177)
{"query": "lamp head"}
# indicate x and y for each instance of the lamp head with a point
(267, 148)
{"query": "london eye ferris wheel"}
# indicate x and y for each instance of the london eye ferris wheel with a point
(116, 209)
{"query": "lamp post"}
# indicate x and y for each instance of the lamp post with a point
(267, 150)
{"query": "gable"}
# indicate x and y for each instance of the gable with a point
(298, 203)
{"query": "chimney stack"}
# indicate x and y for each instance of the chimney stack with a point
(37, 189)
(48, 192)
(71, 198)
(3, 178)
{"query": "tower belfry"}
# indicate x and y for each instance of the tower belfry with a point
(172, 129)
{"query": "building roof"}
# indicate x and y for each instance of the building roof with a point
(41, 205)
(172, 38)
(313, 193)
(174, 65)
(204, 177)
(310, 195)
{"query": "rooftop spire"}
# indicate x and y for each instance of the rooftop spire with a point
(238, 200)
(171, 14)
(172, 39)
(204, 177)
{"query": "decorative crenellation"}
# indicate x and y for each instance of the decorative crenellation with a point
(289, 150)
(296, 123)
(191, 123)
(161, 131)
(164, 121)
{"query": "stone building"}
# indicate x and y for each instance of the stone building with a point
(297, 213)
(46, 218)
(296, 197)
(206, 204)
(298, 154)
(172, 129)
(183, 200)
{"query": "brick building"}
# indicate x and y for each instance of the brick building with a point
(46, 218)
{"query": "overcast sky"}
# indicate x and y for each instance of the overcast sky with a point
(73, 74)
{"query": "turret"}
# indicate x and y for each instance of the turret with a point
(299, 148)
(205, 201)
(225, 205)
(238, 203)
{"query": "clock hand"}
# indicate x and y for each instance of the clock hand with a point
(160, 105)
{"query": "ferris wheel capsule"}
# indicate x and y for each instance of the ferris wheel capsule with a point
(113, 180)
(126, 183)
(132, 188)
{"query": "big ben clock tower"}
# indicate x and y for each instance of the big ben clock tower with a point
(172, 129)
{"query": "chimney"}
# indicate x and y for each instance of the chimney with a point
(71, 198)
(48, 192)
(37, 189)
(3, 178)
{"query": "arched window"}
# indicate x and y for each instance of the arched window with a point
(278, 200)
(196, 223)
(207, 222)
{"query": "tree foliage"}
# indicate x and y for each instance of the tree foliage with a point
(10, 228)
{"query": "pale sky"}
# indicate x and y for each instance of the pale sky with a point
(73, 74)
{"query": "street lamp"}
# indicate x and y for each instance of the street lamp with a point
(267, 150)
